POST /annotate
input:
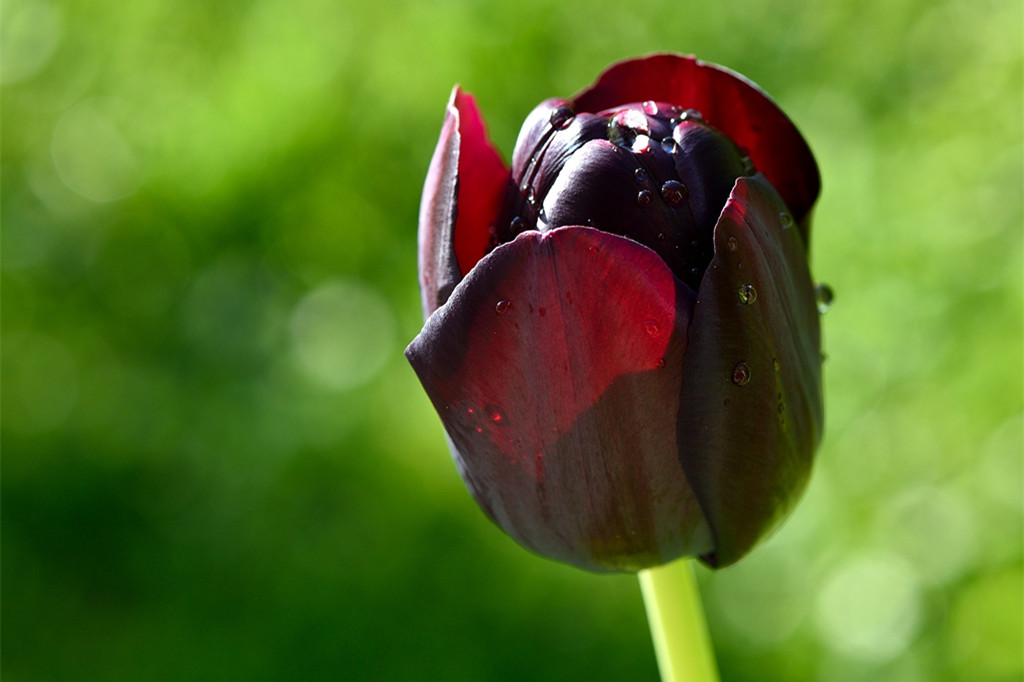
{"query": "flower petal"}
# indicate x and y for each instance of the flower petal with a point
(555, 367)
(751, 405)
(727, 101)
(462, 195)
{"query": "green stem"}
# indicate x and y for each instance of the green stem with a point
(680, 634)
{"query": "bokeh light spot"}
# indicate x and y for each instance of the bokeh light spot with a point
(30, 33)
(91, 155)
(870, 607)
(342, 334)
(934, 529)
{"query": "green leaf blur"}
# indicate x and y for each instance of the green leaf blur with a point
(218, 465)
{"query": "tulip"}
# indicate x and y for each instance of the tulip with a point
(621, 335)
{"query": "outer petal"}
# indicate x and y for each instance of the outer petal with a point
(555, 367)
(729, 102)
(751, 406)
(461, 197)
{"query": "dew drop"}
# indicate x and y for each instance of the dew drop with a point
(732, 244)
(592, 250)
(786, 220)
(748, 166)
(542, 215)
(660, 363)
(642, 144)
(692, 115)
(823, 297)
(673, 192)
(741, 374)
(643, 197)
(502, 306)
(516, 225)
(650, 108)
(640, 175)
(651, 327)
(748, 294)
(494, 413)
(531, 196)
(669, 145)
(561, 117)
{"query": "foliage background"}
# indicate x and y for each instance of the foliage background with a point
(217, 464)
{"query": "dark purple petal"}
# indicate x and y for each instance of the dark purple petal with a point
(555, 367)
(728, 102)
(614, 190)
(461, 198)
(550, 135)
(751, 402)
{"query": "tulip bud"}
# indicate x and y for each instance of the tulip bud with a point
(621, 334)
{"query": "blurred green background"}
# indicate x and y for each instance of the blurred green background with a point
(218, 465)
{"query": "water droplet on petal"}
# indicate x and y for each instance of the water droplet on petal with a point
(748, 294)
(669, 145)
(502, 306)
(642, 144)
(592, 250)
(516, 225)
(643, 197)
(561, 117)
(673, 192)
(640, 175)
(650, 108)
(691, 115)
(748, 166)
(660, 363)
(732, 244)
(651, 327)
(741, 374)
(494, 413)
(823, 297)
(786, 220)
(627, 120)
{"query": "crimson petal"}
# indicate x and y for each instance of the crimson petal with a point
(465, 185)
(727, 101)
(555, 367)
(751, 404)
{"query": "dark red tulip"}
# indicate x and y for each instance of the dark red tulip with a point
(621, 333)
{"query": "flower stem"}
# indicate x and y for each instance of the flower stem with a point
(678, 629)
